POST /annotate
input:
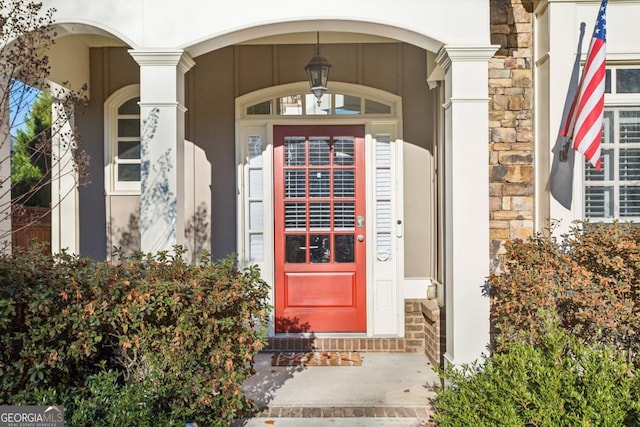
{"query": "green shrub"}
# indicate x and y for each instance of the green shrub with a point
(565, 350)
(106, 402)
(149, 338)
(559, 382)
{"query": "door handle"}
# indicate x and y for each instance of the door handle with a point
(360, 237)
(399, 228)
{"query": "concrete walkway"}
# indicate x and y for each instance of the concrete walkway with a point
(389, 389)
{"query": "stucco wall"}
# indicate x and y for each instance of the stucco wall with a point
(200, 26)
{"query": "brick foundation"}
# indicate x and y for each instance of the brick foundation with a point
(295, 343)
(413, 326)
(423, 333)
(435, 339)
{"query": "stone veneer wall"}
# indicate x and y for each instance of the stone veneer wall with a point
(511, 140)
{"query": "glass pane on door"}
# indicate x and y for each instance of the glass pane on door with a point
(319, 199)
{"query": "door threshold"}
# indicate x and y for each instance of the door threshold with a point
(320, 335)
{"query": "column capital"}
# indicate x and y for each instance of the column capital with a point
(158, 57)
(451, 53)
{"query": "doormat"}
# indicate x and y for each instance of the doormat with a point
(317, 358)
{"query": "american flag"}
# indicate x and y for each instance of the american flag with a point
(584, 122)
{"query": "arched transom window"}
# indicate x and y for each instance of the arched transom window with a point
(331, 104)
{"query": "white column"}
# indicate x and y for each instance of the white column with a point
(466, 187)
(64, 181)
(5, 172)
(162, 147)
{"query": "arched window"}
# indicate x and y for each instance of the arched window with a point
(122, 141)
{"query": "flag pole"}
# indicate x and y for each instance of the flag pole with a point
(563, 155)
(583, 125)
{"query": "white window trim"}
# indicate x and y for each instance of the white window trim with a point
(612, 101)
(302, 88)
(111, 106)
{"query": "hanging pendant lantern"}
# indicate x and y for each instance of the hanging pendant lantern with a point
(318, 72)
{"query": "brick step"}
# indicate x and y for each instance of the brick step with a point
(345, 412)
(423, 332)
(340, 344)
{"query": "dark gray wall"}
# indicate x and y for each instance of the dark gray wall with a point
(210, 124)
(111, 69)
(211, 88)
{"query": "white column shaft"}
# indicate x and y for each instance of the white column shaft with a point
(466, 201)
(64, 182)
(162, 151)
(5, 170)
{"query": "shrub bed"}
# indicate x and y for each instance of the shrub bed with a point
(591, 279)
(148, 340)
(565, 345)
(558, 382)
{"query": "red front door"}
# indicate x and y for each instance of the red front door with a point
(319, 228)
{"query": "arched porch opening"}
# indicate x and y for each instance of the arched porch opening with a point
(443, 129)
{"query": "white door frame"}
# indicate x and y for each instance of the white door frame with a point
(384, 196)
